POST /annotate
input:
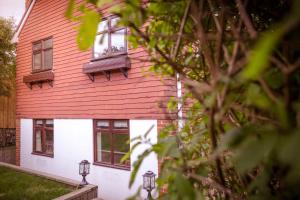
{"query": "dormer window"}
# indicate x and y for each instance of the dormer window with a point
(110, 39)
(42, 55)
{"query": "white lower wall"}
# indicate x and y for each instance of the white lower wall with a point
(73, 142)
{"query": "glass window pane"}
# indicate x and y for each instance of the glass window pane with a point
(37, 46)
(49, 136)
(37, 61)
(103, 124)
(48, 43)
(38, 140)
(103, 147)
(101, 45)
(102, 26)
(48, 59)
(39, 122)
(121, 147)
(114, 22)
(49, 142)
(49, 122)
(120, 124)
(118, 41)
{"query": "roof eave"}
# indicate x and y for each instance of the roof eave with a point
(15, 38)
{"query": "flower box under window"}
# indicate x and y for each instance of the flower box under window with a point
(39, 78)
(107, 65)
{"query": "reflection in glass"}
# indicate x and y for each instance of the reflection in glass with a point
(103, 147)
(114, 22)
(37, 58)
(118, 41)
(120, 124)
(38, 140)
(102, 26)
(48, 58)
(121, 147)
(49, 142)
(101, 45)
(37, 46)
(48, 43)
(103, 124)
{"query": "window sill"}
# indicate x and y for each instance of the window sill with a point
(127, 168)
(39, 78)
(106, 65)
(43, 154)
(40, 70)
(109, 56)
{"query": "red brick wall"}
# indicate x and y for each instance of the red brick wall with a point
(73, 94)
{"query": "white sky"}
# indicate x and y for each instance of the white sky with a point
(14, 8)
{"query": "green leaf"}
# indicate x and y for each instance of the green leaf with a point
(136, 166)
(184, 187)
(259, 58)
(253, 151)
(101, 3)
(88, 29)
(70, 9)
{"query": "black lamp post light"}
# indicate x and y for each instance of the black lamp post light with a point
(84, 170)
(149, 183)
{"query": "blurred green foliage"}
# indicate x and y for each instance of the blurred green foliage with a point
(7, 56)
(240, 61)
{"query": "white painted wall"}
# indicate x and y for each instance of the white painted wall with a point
(73, 142)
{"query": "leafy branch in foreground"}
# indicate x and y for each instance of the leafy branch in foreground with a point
(240, 62)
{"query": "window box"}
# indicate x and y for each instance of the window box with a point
(107, 65)
(111, 143)
(39, 78)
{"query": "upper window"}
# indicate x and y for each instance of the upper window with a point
(110, 39)
(42, 55)
(43, 137)
(111, 143)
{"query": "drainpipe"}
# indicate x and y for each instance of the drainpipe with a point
(179, 102)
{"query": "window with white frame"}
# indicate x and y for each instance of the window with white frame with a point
(110, 39)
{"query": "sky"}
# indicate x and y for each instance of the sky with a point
(14, 8)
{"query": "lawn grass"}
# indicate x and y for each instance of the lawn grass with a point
(15, 185)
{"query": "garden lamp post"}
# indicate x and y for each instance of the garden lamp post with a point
(84, 170)
(149, 183)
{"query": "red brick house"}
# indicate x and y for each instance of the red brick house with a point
(74, 105)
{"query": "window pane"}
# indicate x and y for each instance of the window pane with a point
(118, 41)
(103, 147)
(102, 26)
(48, 59)
(121, 147)
(37, 46)
(49, 122)
(37, 61)
(101, 45)
(114, 22)
(39, 122)
(120, 124)
(49, 142)
(103, 124)
(48, 43)
(38, 140)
